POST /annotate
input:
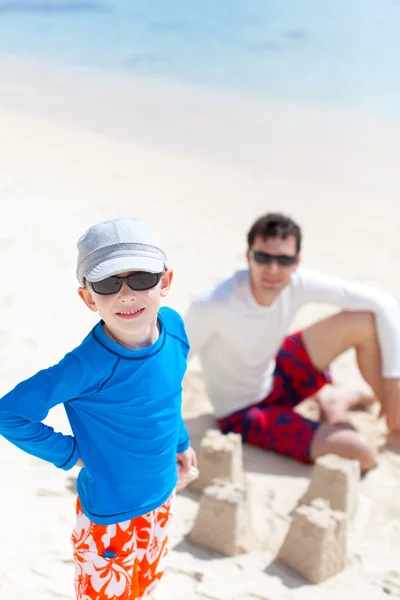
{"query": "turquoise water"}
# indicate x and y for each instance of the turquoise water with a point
(344, 52)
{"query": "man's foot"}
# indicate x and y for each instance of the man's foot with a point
(393, 442)
(335, 401)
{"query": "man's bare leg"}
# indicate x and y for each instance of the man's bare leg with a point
(343, 439)
(329, 338)
(325, 341)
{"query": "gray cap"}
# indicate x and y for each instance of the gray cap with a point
(118, 245)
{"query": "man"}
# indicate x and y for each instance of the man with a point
(255, 374)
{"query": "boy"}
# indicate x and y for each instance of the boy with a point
(121, 389)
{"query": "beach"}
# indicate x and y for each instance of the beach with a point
(78, 146)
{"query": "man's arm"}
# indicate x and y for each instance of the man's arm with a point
(317, 287)
(23, 409)
(199, 324)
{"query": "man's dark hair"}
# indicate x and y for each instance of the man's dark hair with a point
(273, 225)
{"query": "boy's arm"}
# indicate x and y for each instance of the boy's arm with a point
(185, 455)
(184, 439)
(23, 409)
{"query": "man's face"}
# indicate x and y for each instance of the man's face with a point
(272, 276)
(128, 312)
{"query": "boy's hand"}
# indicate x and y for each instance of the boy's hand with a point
(80, 463)
(186, 460)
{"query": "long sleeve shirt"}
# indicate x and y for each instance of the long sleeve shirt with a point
(237, 339)
(124, 408)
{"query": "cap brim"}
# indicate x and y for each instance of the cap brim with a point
(122, 264)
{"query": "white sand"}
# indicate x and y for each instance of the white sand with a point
(75, 148)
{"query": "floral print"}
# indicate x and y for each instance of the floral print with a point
(123, 561)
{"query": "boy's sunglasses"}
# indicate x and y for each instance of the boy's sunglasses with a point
(138, 281)
(263, 258)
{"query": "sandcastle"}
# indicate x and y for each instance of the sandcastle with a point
(316, 543)
(219, 456)
(223, 521)
(337, 480)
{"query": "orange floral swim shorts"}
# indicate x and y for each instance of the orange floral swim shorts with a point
(123, 561)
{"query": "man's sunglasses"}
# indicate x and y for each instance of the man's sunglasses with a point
(263, 258)
(138, 281)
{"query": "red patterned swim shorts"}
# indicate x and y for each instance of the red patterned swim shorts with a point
(272, 423)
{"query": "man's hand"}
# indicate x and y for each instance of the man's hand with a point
(186, 460)
(80, 463)
(390, 404)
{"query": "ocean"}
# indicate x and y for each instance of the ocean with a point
(337, 52)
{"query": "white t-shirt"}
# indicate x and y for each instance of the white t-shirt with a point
(237, 339)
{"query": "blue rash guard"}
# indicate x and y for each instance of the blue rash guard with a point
(124, 408)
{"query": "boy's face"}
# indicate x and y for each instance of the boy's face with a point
(128, 314)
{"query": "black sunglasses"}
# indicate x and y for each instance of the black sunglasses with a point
(263, 258)
(138, 281)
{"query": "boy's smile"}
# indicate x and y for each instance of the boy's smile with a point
(131, 314)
